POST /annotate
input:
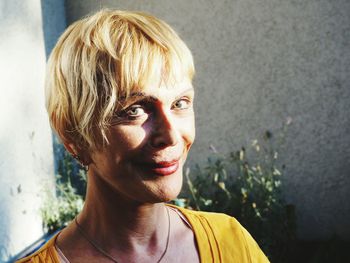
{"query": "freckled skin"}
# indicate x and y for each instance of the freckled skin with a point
(152, 131)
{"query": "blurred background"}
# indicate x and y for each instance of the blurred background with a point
(264, 69)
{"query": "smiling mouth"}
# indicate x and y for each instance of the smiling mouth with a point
(161, 168)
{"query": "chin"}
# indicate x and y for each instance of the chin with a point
(170, 196)
(167, 190)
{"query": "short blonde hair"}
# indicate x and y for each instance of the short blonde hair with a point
(100, 59)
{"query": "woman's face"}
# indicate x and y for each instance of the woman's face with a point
(148, 144)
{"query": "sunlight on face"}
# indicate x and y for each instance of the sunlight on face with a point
(149, 141)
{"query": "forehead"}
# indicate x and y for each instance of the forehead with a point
(162, 91)
(169, 87)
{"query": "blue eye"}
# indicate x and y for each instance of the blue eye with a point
(131, 113)
(135, 111)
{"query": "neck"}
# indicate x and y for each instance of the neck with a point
(114, 221)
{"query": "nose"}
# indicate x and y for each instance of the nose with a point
(164, 133)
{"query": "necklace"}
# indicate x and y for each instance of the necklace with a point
(102, 251)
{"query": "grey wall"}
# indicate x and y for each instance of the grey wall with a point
(54, 22)
(259, 62)
(26, 163)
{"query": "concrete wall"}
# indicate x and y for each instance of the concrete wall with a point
(26, 163)
(259, 62)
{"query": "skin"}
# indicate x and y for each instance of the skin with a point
(130, 179)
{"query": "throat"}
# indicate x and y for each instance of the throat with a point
(140, 228)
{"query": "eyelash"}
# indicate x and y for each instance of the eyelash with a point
(147, 108)
(186, 100)
(134, 107)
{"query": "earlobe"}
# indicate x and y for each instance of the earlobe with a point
(70, 147)
(80, 155)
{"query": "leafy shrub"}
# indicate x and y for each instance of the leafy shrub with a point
(245, 184)
(248, 188)
(61, 208)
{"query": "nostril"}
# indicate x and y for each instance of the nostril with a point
(164, 137)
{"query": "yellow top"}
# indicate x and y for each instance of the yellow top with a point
(220, 238)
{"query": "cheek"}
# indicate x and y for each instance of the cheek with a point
(188, 131)
(126, 140)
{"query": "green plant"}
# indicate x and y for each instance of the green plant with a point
(60, 208)
(246, 184)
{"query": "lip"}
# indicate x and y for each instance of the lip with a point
(162, 168)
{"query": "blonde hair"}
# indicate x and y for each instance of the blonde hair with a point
(100, 59)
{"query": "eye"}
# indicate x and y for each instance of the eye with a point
(130, 114)
(134, 111)
(182, 104)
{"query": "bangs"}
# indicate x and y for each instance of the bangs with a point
(150, 55)
(103, 58)
(149, 61)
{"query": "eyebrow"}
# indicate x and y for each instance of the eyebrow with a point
(143, 95)
(137, 96)
(184, 92)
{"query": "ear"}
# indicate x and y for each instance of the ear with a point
(70, 147)
(82, 156)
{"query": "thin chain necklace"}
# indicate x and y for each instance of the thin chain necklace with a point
(97, 247)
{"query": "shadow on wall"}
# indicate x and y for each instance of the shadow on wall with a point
(54, 22)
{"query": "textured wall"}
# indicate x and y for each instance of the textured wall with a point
(26, 163)
(259, 62)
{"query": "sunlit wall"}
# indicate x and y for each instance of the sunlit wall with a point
(26, 161)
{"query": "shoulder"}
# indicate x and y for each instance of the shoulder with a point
(226, 235)
(47, 253)
(219, 223)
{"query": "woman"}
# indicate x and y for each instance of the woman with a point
(120, 97)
